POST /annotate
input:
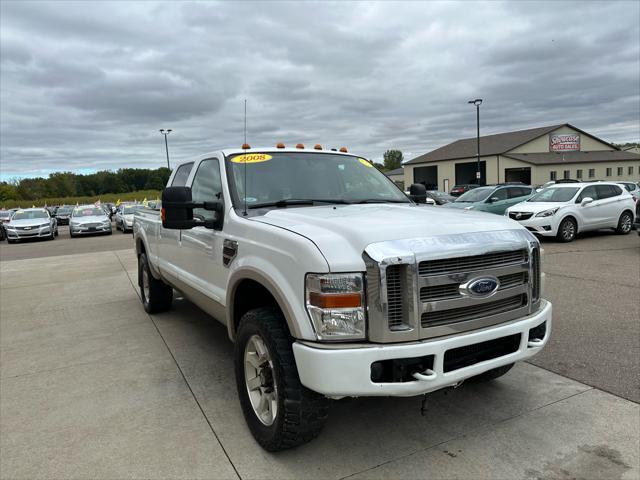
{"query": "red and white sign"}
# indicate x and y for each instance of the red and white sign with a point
(569, 142)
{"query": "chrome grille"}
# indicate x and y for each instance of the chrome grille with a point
(394, 296)
(520, 215)
(475, 262)
(454, 315)
(452, 290)
(535, 288)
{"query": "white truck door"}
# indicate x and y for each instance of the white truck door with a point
(200, 264)
(169, 239)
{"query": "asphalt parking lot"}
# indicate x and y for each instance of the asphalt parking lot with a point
(93, 387)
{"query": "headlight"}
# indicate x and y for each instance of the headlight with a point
(106, 223)
(335, 303)
(548, 213)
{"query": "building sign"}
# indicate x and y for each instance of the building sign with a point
(568, 142)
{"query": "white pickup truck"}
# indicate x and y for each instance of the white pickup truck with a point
(333, 283)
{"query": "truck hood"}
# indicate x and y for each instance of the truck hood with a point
(342, 232)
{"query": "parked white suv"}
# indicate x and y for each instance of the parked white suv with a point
(565, 209)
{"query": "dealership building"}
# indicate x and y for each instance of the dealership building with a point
(534, 156)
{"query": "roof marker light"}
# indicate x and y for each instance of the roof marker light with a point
(280, 145)
(246, 146)
(317, 146)
(300, 145)
(343, 149)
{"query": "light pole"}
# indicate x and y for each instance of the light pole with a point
(477, 102)
(166, 144)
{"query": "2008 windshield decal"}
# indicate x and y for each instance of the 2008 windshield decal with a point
(251, 158)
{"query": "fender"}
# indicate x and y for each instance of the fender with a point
(249, 273)
(141, 241)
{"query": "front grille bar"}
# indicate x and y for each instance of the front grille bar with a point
(475, 262)
(462, 314)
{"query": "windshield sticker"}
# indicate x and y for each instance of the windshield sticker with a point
(251, 158)
(366, 163)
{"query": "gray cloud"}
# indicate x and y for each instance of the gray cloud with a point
(88, 85)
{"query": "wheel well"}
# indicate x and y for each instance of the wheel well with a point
(248, 295)
(627, 211)
(575, 221)
(140, 247)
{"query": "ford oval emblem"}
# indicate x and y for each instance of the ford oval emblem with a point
(481, 287)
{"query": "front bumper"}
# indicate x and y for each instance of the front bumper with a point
(545, 226)
(24, 234)
(89, 230)
(341, 372)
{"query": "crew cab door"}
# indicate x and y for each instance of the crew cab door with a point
(200, 263)
(169, 240)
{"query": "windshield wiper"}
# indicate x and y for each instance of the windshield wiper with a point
(296, 201)
(378, 200)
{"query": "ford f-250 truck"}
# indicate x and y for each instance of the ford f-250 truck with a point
(333, 283)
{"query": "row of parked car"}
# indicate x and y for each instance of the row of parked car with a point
(26, 223)
(558, 209)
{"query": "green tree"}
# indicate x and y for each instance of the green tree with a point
(392, 159)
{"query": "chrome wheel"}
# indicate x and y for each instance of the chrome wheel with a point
(568, 230)
(625, 223)
(145, 284)
(260, 380)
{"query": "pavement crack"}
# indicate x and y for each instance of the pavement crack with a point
(184, 378)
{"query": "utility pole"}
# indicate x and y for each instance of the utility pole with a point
(166, 144)
(477, 102)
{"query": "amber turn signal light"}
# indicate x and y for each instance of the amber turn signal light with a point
(335, 300)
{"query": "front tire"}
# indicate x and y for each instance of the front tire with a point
(280, 412)
(625, 222)
(567, 230)
(156, 295)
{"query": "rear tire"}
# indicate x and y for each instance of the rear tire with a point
(292, 414)
(625, 222)
(567, 230)
(156, 295)
(490, 374)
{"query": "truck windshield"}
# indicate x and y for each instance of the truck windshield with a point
(290, 178)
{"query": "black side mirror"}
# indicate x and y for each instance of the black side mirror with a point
(418, 193)
(177, 210)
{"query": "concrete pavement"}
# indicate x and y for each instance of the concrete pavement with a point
(91, 386)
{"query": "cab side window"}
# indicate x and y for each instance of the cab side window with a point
(515, 192)
(607, 191)
(589, 191)
(206, 187)
(500, 194)
(182, 174)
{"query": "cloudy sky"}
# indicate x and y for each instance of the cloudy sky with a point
(86, 86)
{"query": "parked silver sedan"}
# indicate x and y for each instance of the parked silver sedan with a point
(124, 217)
(31, 223)
(87, 219)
